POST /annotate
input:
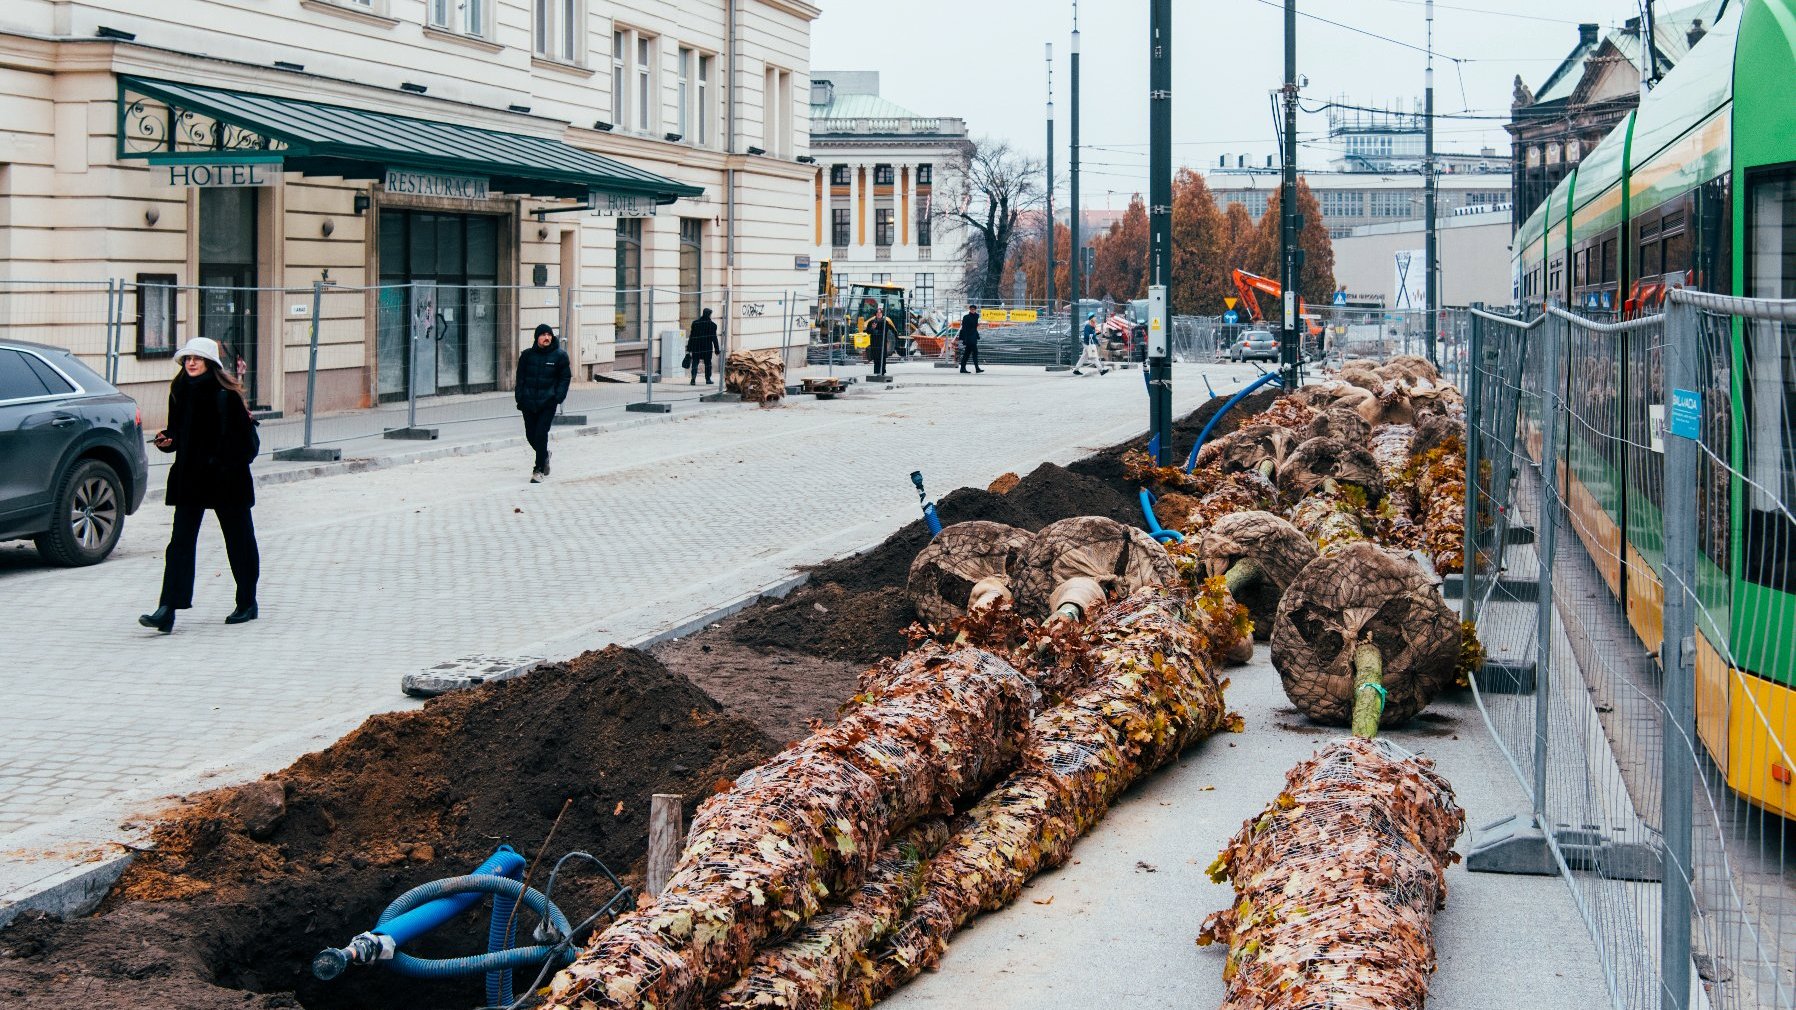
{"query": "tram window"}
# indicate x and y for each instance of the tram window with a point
(1676, 252)
(1651, 260)
(1609, 261)
(1578, 272)
(1770, 389)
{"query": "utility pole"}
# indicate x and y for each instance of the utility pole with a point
(1159, 357)
(1290, 223)
(1431, 201)
(1050, 177)
(1077, 252)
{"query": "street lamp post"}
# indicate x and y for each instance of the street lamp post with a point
(1050, 282)
(1159, 359)
(1290, 223)
(1076, 250)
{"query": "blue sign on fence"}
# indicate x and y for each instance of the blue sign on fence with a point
(1686, 414)
(1231, 317)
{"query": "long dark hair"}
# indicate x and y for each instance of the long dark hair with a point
(225, 378)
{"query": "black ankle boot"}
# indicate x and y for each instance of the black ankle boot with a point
(162, 619)
(242, 615)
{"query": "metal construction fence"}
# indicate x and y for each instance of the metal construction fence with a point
(331, 363)
(1630, 559)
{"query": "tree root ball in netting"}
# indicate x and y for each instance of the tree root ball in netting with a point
(1338, 423)
(1120, 558)
(1322, 459)
(1364, 595)
(943, 576)
(1248, 448)
(1259, 554)
(1410, 366)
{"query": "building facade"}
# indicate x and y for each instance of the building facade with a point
(1383, 263)
(881, 172)
(452, 172)
(1597, 84)
(1356, 199)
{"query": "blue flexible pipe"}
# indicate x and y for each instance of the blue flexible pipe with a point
(1204, 436)
(497, 961)
(1153, 521)
(418, 918)
(500, 933)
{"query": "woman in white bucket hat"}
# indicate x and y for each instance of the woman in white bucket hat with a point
(213, 438)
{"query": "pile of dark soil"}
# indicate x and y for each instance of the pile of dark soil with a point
(213, 917)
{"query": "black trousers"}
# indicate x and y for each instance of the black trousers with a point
(240, 546)
(880, 349)
(696, 358)
(969, 352)
(536, 430)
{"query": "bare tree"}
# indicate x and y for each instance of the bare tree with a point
(1000, 184)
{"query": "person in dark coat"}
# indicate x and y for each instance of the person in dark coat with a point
(543, 376)
(969, 339)
(880, 331)
(701, 344)
(213, 439)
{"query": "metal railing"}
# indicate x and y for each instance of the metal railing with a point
(1627, 560)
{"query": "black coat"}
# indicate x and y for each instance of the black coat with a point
(543, 376)
(701, 341)
(213, 445)
(969, 328)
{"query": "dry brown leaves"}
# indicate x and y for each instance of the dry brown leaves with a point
(1337, 884)
(760, 376)
(761, 858)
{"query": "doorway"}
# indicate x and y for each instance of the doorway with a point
(439, 329)
(227, 277)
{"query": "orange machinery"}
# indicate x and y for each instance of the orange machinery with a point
(1251, 286)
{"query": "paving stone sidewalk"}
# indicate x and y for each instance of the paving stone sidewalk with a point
(374, 575)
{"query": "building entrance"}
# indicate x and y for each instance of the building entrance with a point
(439, 276)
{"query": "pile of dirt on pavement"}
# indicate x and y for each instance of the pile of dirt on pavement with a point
(212, 915)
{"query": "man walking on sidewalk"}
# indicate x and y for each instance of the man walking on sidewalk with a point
(701, 344)
(1088, 348)
(880, 331)
(543, 377)
(969, 339)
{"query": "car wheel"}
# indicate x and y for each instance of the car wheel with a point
(86, 517)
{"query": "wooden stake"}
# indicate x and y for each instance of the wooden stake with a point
(667, 837)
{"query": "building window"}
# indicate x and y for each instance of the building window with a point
(925, 233)
(1337, 204)
(840, 228)
(692, 259)
(155, 315)
(882, 175)
(629, 280)
(924, 292)
(882, 279)
(776, 113)
(704, 101)
(465, 16)
(925, 175)
(883, 219)
(645, 91)
(620, 78)
(839, 175)
(558, 29)
(1391, 204)
(685, 102)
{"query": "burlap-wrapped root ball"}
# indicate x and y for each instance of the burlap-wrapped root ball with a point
(1259, 554)
(1321, 459)
(1364, 595)
(1120, 558)
(1410, 366)
(1340, 423)
(965, 555)
(1249, 448)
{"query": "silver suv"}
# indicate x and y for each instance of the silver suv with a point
(72, 462)
(1253, 344)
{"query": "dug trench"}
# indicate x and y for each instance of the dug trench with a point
(243, 885)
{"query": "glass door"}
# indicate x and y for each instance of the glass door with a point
(227, 279)
(439, 274)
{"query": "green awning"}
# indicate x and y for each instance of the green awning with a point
(165, 121)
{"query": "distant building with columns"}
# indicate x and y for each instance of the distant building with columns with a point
(880, 171)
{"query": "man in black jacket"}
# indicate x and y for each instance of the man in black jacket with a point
(969, 339)
(543, 376)
(701, 344)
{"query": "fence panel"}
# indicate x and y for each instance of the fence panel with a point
(90, 318)
(1643, 708)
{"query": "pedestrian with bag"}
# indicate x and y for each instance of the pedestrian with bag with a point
(969, 339)
(880, 331)
(1089, 343)
(543, 377)
(213, 439)
(701, 344)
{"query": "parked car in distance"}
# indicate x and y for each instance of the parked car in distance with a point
(72, 461)
(1254, 344)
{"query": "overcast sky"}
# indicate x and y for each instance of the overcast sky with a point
(983, 60)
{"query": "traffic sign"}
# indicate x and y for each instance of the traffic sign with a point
(1230, 303)
(1340, 298)
(1231, 317)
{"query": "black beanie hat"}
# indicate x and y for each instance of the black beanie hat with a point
(542, 328)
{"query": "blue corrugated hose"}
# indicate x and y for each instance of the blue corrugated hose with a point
(1204, 436)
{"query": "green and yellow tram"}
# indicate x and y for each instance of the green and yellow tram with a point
(1696, 188)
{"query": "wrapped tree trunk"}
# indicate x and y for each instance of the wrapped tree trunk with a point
(760, 376)
(761, 858)
(1151, 695)
(1337, 883)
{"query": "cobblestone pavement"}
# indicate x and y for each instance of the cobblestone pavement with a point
(371, 576)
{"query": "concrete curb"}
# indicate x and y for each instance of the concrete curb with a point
(68, 893)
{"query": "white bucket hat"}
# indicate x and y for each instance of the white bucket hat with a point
(201, 347)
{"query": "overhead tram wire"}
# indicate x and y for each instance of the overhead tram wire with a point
(1356, 29)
